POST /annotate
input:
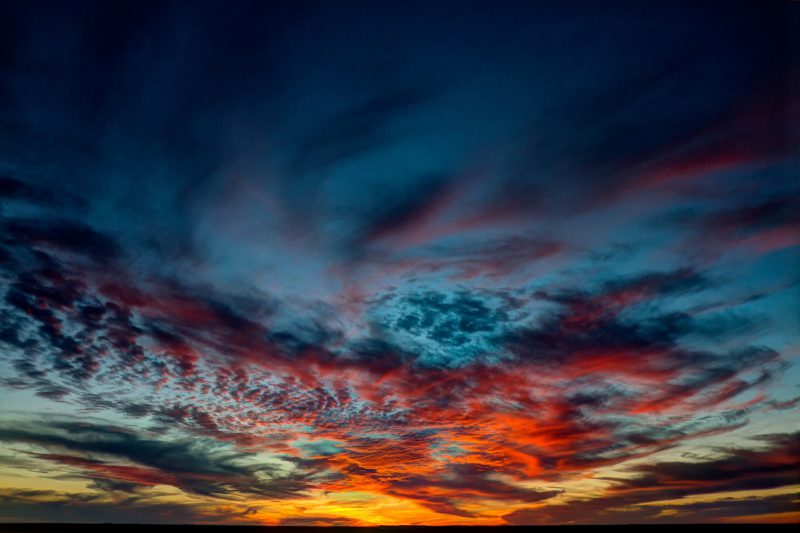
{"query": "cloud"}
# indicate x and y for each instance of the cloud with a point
(430, 355)
(98, 507)
(611, 511)
(12, 189)
(408, 214)
(357, 130)
(738, 469)
(104, 452)
(444, 330)
(303, 267)
(320, 521)
(636, 499)
(464, 482)
(62, 234)
(762, 225)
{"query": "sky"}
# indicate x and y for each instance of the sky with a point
(365, 263)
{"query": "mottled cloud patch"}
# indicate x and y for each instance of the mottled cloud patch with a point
(446, 330)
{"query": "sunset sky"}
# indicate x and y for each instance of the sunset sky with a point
(419, 262)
